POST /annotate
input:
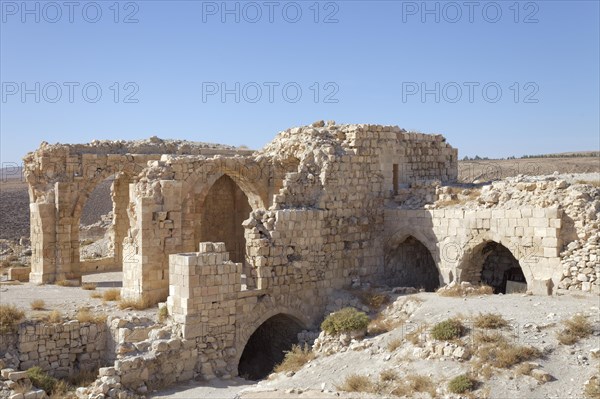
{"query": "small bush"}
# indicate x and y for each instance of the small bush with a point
(357, 383)
(447, 330)
(113, 294)
(37, 304)
(85, 316)
(345, 320)
(54, 317)
(137, 304)
(295, 359)
(490, 321)
(96, 295)
(576, 328)
(10, 317)
(40, 379)
(461, 384)
(88, 286)
(22, 387)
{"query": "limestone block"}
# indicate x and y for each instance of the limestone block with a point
(541, 287)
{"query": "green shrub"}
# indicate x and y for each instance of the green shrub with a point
(40, 379)
(447, 330)
(345, 320)
(461, 384)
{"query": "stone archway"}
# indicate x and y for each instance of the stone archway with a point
(118, 195)
(491, 263)
(221, 214)
(409, 263)
(267, 345)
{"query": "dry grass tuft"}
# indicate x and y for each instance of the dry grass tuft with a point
(488, 338)
(357, 383)
(295, 359)
(137, 304)
(88, 286)
(524, 368)
(67, 283)
(85, 316)
(388, 375)
(10, 317)
(576, 328)
(37, 304)
(96, 295)
(412, 384)
(460, 291)
(113, 294)
(502, 354)
(54, 317)
(414, 337)
(394, 344)
(83, 378)
(22, 387)
(379, 325)
(591, 390)
(490, 321)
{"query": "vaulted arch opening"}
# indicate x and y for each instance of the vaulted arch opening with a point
(410, 264)
(501, 270)
(491, 263)
(221, 214)
(267, 346)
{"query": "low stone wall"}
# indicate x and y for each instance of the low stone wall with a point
(60, 349)
(19, 273)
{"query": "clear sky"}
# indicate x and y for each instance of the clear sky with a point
(496, 78)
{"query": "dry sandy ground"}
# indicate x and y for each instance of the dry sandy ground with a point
(67, 299)
(570, 365)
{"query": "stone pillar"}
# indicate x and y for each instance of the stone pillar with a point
(202, 290)
(43, 243)
(156, 234)
(120, 198)
(67, 235)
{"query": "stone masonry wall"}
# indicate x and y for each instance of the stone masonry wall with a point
(60, 349)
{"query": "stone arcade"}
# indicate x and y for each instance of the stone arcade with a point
(236, 239)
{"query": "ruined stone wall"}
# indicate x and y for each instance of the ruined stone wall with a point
(60, 349)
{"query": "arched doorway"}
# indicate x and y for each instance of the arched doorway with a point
(267, 346)
(501, 270)
(102, 223)
(410, 264)
(221, 214)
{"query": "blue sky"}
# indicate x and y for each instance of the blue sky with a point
(162, 66)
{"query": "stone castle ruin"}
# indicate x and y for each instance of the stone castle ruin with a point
(244, 244)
